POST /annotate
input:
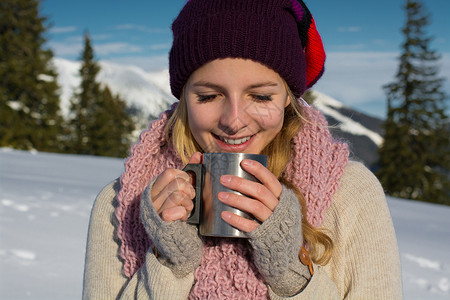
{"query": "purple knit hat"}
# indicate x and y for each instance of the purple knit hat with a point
(280, 34)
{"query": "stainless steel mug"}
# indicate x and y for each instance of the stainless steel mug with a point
(207, 207)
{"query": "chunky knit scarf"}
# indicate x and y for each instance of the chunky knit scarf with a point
(226, 270)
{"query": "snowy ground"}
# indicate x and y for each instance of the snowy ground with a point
(45, 200)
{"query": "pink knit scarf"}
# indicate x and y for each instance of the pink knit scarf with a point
(226, 270)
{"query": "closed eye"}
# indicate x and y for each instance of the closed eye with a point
(256, 97)
(206, 98)
(261, 98)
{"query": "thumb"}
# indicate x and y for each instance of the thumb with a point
(196, 158)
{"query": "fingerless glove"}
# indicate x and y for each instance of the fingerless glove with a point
(276, 244)
(178, 244)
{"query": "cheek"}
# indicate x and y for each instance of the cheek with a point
(199, 117)
(193, 113)
(193, 120)
(269, 117)
(200, 123)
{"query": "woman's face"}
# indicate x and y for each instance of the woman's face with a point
(235, 105)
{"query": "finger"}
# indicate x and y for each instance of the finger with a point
(177, 199)
(251, 189)
(239, 222)
(263, 175)
(165, 178)
(175, 193)
(174, 213)
(196, 158)
(245, 204)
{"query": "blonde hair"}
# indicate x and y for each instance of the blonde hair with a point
(278, 152)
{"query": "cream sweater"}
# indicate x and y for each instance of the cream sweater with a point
(365, 262)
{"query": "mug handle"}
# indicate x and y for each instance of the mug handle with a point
(197, 169)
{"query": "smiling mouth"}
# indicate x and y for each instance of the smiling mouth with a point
(234, 141)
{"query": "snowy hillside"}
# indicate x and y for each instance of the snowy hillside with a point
(331, 107)
(45, 201)
(149, 92)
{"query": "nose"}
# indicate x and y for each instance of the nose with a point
(233, 117)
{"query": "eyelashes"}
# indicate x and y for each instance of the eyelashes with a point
(205, 98)
(261, 98)
(255, 97)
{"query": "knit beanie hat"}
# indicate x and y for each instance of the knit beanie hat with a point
(280, 34)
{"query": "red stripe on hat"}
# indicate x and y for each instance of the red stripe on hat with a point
(315, 55)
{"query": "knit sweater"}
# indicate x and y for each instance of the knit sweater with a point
(315, 168)
(365, 262)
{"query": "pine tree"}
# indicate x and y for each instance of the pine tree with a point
(113, 126)
(30, 115)
(414, 158)
(309, 97)
(100, 124)
(83, 103)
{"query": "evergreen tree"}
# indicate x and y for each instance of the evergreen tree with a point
(30, 115)
(83, 104)
(100, 123)
(414, 158)
(309, 97)
(113, 126)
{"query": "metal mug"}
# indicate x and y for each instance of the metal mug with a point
(207, 207)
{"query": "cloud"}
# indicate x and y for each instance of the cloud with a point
(57, 30)
(357, 78)
(116, 48)
(381, 42)
(350, 47)
(66, 49)
(147, 63)
(349, 29)
(73, 46)
(142, 28)
(97, 37)
(74, 39)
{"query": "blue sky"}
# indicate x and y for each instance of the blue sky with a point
(362, 39)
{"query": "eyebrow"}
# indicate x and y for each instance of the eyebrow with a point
(202, 83)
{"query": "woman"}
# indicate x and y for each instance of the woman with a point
(239, 69)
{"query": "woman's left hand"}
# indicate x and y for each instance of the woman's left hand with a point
(259, 198)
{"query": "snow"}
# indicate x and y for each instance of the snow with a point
(15, 105)
(45, 77)
(45, 202)
(325, 104)
(68, 80)
(148, 91)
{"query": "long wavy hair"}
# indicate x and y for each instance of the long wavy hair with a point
(278, 152)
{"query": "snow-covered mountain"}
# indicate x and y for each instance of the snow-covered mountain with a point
(363, 133)
(150, 93)
(45, 202)
(147, 91)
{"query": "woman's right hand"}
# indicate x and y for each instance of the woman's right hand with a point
(167, 199)
(173, 191)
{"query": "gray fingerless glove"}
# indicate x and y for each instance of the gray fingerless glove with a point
(276, 244)
(178, 244)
